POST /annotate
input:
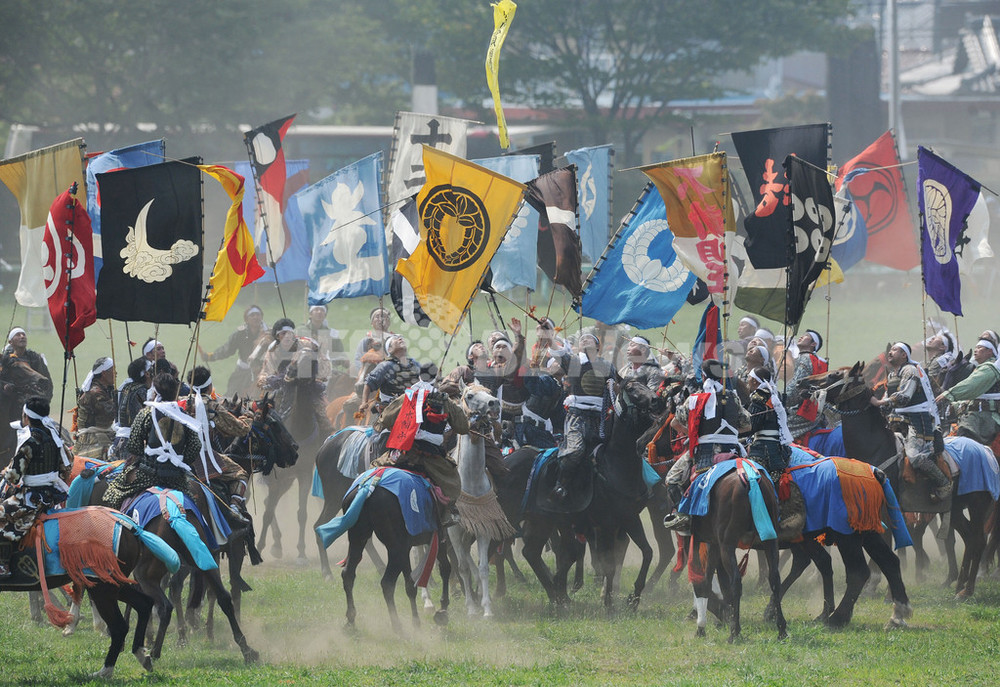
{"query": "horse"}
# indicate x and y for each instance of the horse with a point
(730, 523)
(482, 519)
(105, 592)
(867, 435)
(298, 411)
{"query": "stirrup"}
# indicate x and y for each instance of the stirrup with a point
(677, 521)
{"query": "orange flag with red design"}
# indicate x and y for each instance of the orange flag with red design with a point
(236, 265)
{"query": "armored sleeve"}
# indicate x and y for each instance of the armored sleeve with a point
(908, 383)
(456, 416)
(136, 444)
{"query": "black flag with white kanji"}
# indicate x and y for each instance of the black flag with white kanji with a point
(812, 227)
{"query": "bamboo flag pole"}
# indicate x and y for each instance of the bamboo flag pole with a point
(68, 267)
(262, 217)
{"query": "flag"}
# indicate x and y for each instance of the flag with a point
(761, 153)
(236, 264)
(708, 341)
(293, 265)
(342, 215)
(36, 179)
(812, 224)
(594, 180)
(546, 153)
(465, 211)
(880, 196)
(69, 269)
(406, 159)
(641, 281)
(405, 238)
(152, 236)
(945, 197)
(503, 15)
(267, 159)
(977, 235)
(553, 195)
(850, 240)
(699, 205)
(129, 157)
(516, 260)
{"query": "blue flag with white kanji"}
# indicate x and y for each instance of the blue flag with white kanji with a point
(342, 216)
(293, 263)
(593, 190)
(516, 260)
(130, 157)
(945, 197)
(641, 281)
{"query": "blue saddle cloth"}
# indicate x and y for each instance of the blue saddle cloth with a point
(351, 459)
(824, 497)
(828, 442)
(146, 506)
(53, 565)
(695, 502)
(977, 464)
(414, 494)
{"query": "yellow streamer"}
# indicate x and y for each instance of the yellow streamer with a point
(503, 15)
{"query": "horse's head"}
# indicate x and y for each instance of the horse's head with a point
(638, 404)
(855, 394)
(26, 381)
(271, 438)
(480, 405)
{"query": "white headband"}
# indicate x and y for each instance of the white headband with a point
(750, 320)
(815, 337)
(88, 381)
(389, 340)
(753, 375)
(251, 310)
(641, 340)
(764, 334)
(588, 335)
(47, 423)
(906, 349)
(503, 343)
(764, 353)
(986, 343)
(318, 307)
(207, 383)
(286, 328)
(14, 332)
(150, 345)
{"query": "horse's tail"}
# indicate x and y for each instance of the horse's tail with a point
(197, 589)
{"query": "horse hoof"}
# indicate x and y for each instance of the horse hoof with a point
(692, 615)
(837, 622)
(783, 635)
(142, 655)
(895, 624)
(69, 630)
(441, 618)
(105, 673)
(276, 552)
(769, 614)
(700, 632)
(733, 638)
(487, 613)
(301, 560)
(251, 657)
(633, 602)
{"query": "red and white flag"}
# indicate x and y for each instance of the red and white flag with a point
(68, 269)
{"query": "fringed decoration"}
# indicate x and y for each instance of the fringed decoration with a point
(483, 517)
(57, 616)
(86, 541)
(862, 493)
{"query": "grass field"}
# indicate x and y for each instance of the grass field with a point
(295, 619)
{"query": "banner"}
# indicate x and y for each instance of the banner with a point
(342, 215)
(403, 224)
(761, 153)
(977, 234)
(516, 260)
(36, 179)
(293, 265)
(878, 191)
(69, 269)
(945, 196)
(594, 183)
(129, 157)
(152, 240)
(503, 15)
(850, 240)
(406, 159)
(464, 212)
(641, 281)
(699, 206)
(553, 195)
(813, 225)
(267, 159)
(708, 341)
(236, 264)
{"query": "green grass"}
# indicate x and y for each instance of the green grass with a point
(296, 620)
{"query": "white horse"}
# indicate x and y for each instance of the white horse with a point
(481, 518)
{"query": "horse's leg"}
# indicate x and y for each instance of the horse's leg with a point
(637, 534)
(305, 483)
(531, 549)
(175, 585)
(821, 557)
(949, 550)
(276, 486)
(857, 571)
(974, 538)
(508, 554)
(357, 537)
(774, 578)
(143, 605)
(444, 569)
(483, 544)
(149, 583)
(602, 553)
(499, 554)
(399, 561)
(921, 561)
(888, 562)
(461, 542)
(214, 580)
(664, 546)
(735, 589)
(703, 589)
(104, 595)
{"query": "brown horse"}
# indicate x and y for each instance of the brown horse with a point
(729, 524)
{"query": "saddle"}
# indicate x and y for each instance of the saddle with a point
(545, 474)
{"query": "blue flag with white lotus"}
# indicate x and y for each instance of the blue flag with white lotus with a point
(516, 260)
(343, 218)
(945, 197)
(640, 281)
(593, 190)
(130, 157)
(850, 241)
(293, 261)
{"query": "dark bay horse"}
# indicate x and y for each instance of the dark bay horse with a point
(868, 437)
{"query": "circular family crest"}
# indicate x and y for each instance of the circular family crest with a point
(454, 211)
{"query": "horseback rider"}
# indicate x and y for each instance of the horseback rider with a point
(908, 392)
(373, 340)
(390, 377)
(218, 428)
(586, 380)
(807, 363)
(417, 420)
(331, 347)
(980, 419)
(163, 446)
(548, 346)
(35, 478)
(96, 411)
(640, 365)
(248, 343)
(153, 350)
(712, 420)
(17, 350)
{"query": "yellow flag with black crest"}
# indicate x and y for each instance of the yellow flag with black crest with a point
(464, 211)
